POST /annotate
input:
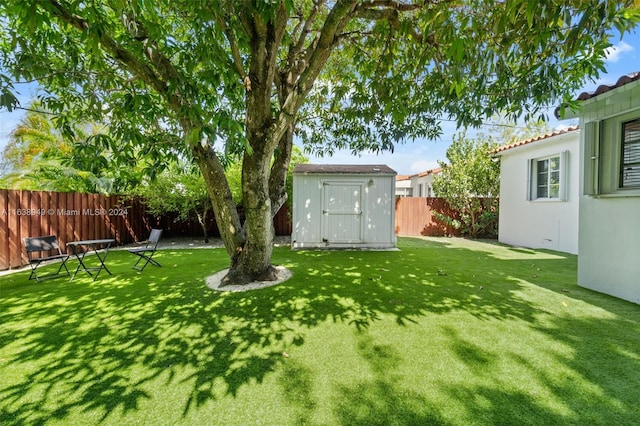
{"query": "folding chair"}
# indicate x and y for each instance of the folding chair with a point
(48, 245)
(146, 253)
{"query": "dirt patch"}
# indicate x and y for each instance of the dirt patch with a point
(213, 281)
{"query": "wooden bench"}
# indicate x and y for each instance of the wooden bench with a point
(49, 249)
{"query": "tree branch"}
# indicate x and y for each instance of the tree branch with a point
(122, 55)
(162, 64)
(67, 73)
(401, 6)
(297, 47)
(235, 50)
(395, 5)
(158, 78)
(317, 56)
(390, 12)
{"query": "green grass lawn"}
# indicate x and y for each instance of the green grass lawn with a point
(444, 331)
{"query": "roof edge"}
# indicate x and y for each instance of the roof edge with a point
(539, 138)
(379, 169)
(603, 88)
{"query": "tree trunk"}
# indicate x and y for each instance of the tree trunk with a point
(263, 185)
(254, 261)
(249, 246)
(270, 139)
(202, 220)
(224, 208)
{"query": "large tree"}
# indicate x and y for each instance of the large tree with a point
(217, 78)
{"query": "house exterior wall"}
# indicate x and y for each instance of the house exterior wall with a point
(609, 260)
(422, 185)
(417, 185)
(403, 188)
(538, 223)
(377, 218)
(609, 242)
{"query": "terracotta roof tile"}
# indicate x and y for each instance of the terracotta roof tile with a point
(535, 139)
(625, 79)
(429, 172)
(603, 88)
(421, 174)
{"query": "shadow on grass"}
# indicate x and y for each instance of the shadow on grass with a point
(96, 346)
(382, 400)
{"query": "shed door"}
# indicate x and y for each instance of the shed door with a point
(342, 212)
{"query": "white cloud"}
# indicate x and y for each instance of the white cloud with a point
(423, 165)
(614, 54)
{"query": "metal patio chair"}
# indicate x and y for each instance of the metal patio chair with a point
(146, 252)
(49, 247)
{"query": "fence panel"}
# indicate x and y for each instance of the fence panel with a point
(70, 217)
(282, 221)
(4, 230)
(15, 248)
(415, 217)
(76, 216)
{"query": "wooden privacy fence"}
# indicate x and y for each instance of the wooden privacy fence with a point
(191, 228)
(76, 216)
(69, 216)
(415, 217)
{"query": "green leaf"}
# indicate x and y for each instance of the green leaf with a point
(193, 136)
(8, 99)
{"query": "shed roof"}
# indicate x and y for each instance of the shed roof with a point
(358, 169)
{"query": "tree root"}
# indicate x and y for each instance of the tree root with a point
(237, 277)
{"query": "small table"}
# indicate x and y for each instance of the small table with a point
(80, 250)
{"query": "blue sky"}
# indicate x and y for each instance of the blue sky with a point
(417, 156)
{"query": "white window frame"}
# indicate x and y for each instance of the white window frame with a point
(532, 177)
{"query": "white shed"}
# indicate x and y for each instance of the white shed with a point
(343, 206)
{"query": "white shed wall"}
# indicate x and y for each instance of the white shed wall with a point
(539, 223)
(310, 223)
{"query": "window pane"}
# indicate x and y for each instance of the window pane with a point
(543, 166)
(543, 178)
(543, 191)
(546, 177)
(630, 158)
